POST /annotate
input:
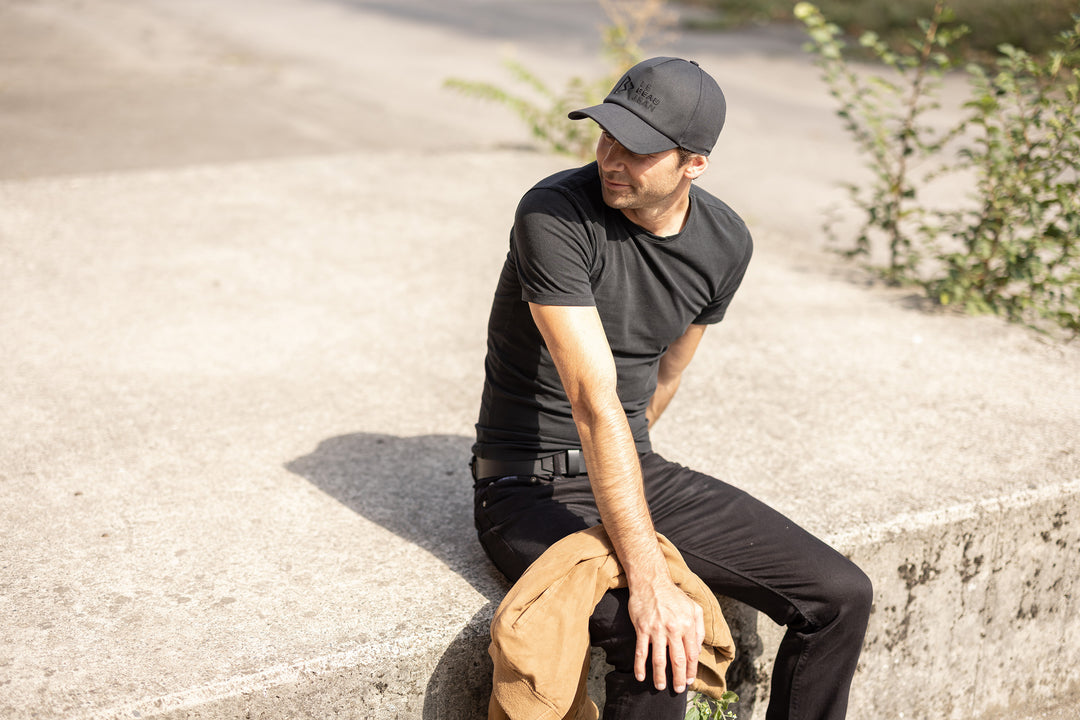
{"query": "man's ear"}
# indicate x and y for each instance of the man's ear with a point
(696, 166)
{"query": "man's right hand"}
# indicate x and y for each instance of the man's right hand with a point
(670, 624)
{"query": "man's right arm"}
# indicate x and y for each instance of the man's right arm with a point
(665, 618)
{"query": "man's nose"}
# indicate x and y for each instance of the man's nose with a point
(613, 157)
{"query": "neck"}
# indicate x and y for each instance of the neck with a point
(662, 221)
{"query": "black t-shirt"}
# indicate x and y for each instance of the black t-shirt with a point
(567, 247)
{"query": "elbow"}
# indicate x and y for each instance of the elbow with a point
(605, 430)
(593, 414)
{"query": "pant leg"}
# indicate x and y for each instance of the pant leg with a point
(745, 550)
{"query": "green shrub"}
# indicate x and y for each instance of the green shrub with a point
(884, 115)
(1017, 252)
(1032, 26)
(1014, 249)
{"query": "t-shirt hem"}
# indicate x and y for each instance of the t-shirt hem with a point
(559, 299)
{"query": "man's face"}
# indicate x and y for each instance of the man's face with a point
(637, 182)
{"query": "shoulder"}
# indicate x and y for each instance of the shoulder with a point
(716, 209)
(722, 218)
(577, 188)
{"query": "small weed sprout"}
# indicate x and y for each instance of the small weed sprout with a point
(701, 707)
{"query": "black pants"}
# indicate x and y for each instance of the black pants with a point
(739, 546)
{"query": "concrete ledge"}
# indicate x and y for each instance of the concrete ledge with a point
(974, 609)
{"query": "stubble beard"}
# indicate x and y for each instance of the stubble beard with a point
(620, 201)
(632, 197)
(624, 199)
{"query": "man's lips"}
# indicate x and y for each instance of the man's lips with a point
(614, 184)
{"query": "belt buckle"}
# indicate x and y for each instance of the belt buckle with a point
(568, 463)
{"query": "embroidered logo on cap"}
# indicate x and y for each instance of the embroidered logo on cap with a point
(642, 96)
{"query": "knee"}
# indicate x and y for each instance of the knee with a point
(839, 602)
(852, 596)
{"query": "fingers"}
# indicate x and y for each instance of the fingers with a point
(678, 668)
(677, 639)
(641, 653)
(683, 653)
(693, 647)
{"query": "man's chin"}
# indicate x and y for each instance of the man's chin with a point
(618, 201)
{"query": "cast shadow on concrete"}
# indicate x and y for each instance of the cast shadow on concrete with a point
(420, 489)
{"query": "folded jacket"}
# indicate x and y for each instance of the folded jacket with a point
(540, 633)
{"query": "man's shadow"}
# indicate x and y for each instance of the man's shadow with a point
(420, 489)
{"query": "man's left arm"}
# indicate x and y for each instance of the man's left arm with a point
(675, 360)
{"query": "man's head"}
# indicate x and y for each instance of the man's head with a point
(661, 104)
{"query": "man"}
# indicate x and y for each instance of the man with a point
(614, 271)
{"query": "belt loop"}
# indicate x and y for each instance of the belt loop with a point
(573, 463)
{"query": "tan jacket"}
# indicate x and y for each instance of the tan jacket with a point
(540, 633)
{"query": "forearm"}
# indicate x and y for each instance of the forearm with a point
(669, 374)
(665, 391)
(615, 476)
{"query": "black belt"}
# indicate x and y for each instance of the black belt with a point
(568, 463)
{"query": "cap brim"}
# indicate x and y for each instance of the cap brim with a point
(632, 132)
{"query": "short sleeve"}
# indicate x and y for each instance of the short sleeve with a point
(714, 312)
(552, 250)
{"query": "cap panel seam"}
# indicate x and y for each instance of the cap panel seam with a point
(694, 114)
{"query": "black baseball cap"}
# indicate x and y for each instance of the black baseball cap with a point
(660, 104)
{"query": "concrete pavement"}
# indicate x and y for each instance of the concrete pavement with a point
(247, 250)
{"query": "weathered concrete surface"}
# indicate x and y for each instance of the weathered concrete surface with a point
(246, 264)
(966, 598)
